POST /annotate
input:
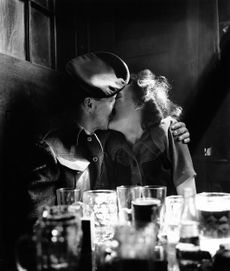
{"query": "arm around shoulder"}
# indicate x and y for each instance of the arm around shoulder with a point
(182, 165)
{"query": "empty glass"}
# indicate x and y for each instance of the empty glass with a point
(173, 211)
(68, 196)
(125, 195)
(101, 207)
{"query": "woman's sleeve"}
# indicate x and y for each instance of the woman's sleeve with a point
(182, 165)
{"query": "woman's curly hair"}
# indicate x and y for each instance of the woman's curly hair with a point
(152, 93)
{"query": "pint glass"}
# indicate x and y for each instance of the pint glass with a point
(214, 211)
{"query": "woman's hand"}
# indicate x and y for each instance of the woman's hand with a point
(180, 131)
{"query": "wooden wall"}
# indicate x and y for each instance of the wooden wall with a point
(167, 37)
(29, 104)
(12, 28)
(32, 99)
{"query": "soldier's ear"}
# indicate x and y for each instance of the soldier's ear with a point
(88, 103)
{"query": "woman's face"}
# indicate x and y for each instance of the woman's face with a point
(124, 105)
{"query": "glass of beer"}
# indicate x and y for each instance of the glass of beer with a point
(145, 210)
(125, 195)
(157, 192)
(214, 211)
(68, 196)
(101, 207)
(130, 249)
(58, 238)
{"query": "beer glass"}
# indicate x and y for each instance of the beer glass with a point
(145, 211)
(125, 195)
(55, 243)
(214, 212)
(130, 249)
(67, 196)
(101, 207)
(58, 239)
(173, 211)
(157, 192)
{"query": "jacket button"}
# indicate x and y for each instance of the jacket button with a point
(95, 159)
(89, 139)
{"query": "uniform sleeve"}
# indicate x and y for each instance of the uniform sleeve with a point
(42, 178)
(180, 157)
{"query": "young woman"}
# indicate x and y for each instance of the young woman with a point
(145, 151)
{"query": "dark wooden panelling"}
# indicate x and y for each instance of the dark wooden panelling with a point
(43, 3)
(167, 37)
(224, 10)
(30, 103)
(22, 79)
(66, 33)
(213, 174)
(40, 38)
(12, 35)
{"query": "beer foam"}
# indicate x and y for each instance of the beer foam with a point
(219, 205)
(213, 201)
(146, 201)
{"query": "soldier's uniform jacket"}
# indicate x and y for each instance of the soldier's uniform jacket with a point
(64, 158)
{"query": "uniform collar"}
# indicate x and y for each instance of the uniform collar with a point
(82, 130)
(79, 131)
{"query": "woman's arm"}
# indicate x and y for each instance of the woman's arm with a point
(183, 173)
(188, 183)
